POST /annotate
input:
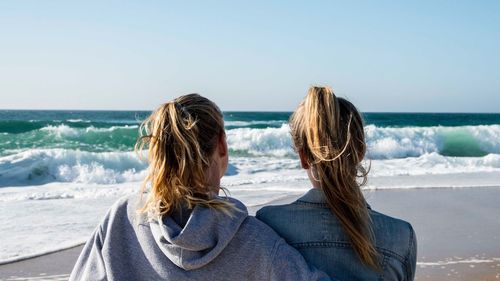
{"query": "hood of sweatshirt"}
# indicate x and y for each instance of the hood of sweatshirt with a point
(200, 238)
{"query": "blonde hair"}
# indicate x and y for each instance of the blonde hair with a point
(329, 133)
(181, 135)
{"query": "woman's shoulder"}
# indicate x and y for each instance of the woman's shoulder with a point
(267, 213)
(390, 224)
(394, 235)
(287, 218)
(125, 210)
(252, 226)
(127, 200)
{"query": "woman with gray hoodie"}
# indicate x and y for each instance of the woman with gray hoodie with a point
(178, 227)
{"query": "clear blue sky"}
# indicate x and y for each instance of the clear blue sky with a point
(250, 55)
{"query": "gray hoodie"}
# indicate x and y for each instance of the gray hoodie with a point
(200, 244)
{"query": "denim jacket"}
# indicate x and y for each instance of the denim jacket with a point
(308, 225)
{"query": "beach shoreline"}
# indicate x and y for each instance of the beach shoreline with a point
(470, 252)
(458, 233)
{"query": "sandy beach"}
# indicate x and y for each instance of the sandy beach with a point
(458, 234)
(458, 230)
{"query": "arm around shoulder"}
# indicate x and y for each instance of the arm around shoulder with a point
(288, 264)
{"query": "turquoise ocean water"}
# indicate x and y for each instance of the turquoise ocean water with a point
(38, 147)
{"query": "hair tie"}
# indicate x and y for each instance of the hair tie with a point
(181, 107)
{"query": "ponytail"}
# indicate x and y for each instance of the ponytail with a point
(181, 136)
(329, 132)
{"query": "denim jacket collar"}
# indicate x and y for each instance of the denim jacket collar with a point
(316, 196)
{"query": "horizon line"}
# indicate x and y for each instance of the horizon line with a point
(256, 111)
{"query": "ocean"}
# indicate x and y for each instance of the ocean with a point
(61, 170)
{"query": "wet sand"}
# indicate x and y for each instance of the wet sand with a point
(458, 230)
(54, 266)
(458, 233)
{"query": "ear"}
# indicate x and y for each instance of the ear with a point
(222, 145)
(303, 160)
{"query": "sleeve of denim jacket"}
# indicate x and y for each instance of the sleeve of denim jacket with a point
(288, 264)
(411, 258)
(90, 264)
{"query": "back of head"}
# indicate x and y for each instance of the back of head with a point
(181, 135)
(328, 132)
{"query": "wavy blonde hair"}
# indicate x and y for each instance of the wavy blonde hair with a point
(329, 133)
(181, 136)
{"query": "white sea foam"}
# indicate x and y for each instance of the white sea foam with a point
(110, 129)
(434, 164)
(60, 130)
(269, 141)
(459, 261)
(64, 130)
(387, 143)
(40, 166)
(32, 227)
(78, 121)
(382, 143)
(255, 122)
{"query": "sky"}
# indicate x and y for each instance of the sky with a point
(387, 56)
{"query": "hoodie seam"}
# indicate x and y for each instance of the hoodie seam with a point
(101, 235)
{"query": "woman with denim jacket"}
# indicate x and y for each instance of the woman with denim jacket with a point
(332, 225)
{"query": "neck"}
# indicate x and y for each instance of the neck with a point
(212, 180)
(313, 178)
